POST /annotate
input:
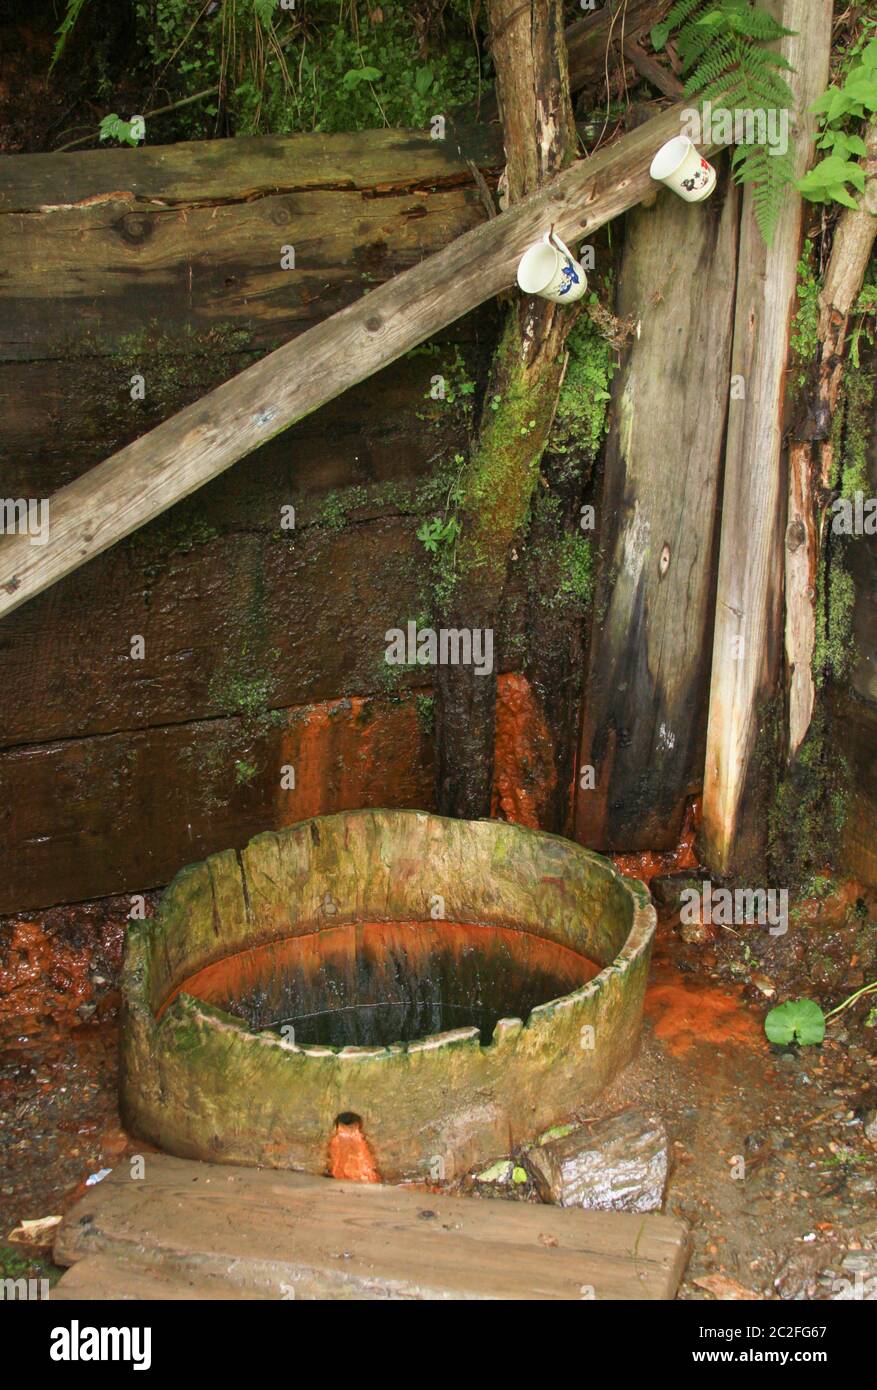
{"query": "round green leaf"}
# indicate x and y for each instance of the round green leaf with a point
(798, 1020)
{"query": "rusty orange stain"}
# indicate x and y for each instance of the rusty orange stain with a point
(350, 1157)
(43, 976)
(524, 775)
(686, 1013)
(349, 753)
(650, 863)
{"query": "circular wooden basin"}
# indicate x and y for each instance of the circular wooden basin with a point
(452, 987)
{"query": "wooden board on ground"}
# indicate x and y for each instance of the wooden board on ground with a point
(282, 1235)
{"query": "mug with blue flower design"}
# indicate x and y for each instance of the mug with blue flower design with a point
(551, 270)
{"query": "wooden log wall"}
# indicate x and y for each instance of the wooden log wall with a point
(167, 263)
(645, 702)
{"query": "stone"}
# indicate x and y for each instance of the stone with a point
(667, 889)
(616, 1164)
(869, 1122)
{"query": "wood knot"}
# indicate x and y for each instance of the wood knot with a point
(135, 228)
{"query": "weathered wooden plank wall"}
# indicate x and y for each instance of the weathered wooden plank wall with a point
(114, 771)
(645, 700)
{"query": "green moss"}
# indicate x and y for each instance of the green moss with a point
(577, 571)
(581, 419)
(338, 506)
(833, 652)
(856, 419)
(426, 713)
(805, 338)
(23, 1264)
(810, 806)
(834, 649)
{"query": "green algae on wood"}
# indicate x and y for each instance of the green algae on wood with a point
(199, 1083)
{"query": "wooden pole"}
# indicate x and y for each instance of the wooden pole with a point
(497, 479)
(648, 664)
(746, 647)
(183, 453)
(811, 458)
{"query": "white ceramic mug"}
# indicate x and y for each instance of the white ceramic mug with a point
(680, 165)
(551, 270)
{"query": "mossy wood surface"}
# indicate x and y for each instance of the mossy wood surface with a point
(198, 1083)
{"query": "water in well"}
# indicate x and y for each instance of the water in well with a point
(377, 983)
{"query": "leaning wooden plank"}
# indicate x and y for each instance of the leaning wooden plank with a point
(179, 456)
(648, 668)
(288, 1235)
(748, 630)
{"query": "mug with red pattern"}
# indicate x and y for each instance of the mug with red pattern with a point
(680, 165)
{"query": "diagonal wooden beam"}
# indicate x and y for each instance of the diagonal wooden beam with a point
(145, 478)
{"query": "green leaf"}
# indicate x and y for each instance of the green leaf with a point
(798, 1020)
(840, 195)
(354, 76)
(423, 80)
(826, 180)
(500, 1171)
(863, 90)
(112, 127)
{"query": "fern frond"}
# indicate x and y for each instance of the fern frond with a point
(770, 176)
(753, 23)
(721, 45)
(680, 12)
(714, 67)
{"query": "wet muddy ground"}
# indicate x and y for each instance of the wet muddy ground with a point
(770, 1163)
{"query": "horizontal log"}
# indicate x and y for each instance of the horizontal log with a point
(159, 469)
(91, 817)
(81, 278)
(217, 614)
(213, 172)
(59, 418)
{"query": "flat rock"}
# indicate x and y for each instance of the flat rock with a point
(616, 1164)
(667, 889)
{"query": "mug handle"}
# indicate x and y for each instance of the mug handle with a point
(554, 240)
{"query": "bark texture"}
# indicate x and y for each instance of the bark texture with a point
(503, 465)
